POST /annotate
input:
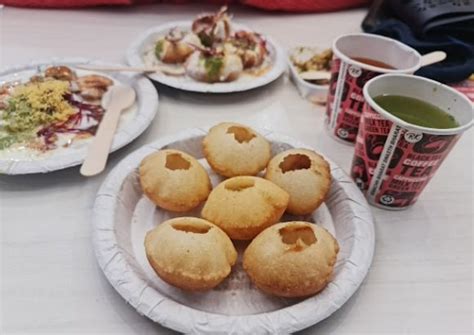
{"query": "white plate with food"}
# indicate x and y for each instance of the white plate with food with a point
(123, 215)
(209, 54)
(308, 59)
(50, 110)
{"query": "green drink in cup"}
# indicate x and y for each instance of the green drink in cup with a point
(408, 126)
(427, 115)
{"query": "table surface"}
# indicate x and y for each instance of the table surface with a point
(421, 280)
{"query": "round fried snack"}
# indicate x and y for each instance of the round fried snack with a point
(249, 46)
(213, 69)
(244, 206)
(291, 259)
(174, 52)
(176, 47)
(190, 253)
(174, 180)
(305, 175)
(232, 149)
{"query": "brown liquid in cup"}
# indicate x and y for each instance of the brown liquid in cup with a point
(373, 62)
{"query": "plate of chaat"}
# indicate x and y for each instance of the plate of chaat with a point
(50, 111)
(210, 54)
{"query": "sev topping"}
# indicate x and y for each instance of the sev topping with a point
(36, 104)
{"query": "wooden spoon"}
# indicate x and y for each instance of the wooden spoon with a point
(315, 75)
(432, 57)
(116, 99)
(172, 71)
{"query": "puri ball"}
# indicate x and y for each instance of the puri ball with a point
(233, 149)
(190, 253)
(244, 206)
(305, 175)
(174, 180)
(291, 259)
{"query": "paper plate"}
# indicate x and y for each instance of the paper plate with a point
(122, 215)
(131, 125)
(147, 39)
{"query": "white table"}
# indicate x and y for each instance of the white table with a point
(422, 274)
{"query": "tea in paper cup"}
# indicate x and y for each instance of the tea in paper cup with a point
(394, 159)
(357, 59)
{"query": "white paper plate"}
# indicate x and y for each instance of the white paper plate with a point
(129, 128)
(122, 215)
(148, 38)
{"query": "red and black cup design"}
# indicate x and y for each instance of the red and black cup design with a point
(349, 73)
(345, 99)
(393, 164)
(394, 160)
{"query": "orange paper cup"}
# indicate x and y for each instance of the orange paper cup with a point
(345, 98)
(394, 160)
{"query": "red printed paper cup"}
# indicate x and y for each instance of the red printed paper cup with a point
(348, 76)
(394, 160)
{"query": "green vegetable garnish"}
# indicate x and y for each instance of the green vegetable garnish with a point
(37, 104)
(213, 67)
(158, 48)
(7, 141)
(19, 117)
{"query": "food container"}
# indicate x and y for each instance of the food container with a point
(312, 92)
(345, 99)
(394, 160)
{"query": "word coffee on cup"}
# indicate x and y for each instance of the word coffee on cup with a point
(394, 160)
(357, 59)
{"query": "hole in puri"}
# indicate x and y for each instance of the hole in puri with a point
(176, 162)
(301, 236)
(241, 134)
(239, 184)
(295, 162)
(196, 228)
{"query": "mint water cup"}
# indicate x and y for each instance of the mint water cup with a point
(357, 59)
(394, 160)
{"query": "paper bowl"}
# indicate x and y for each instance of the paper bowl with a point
(122, 215)
(309, 91)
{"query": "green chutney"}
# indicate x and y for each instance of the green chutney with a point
(416, 112)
